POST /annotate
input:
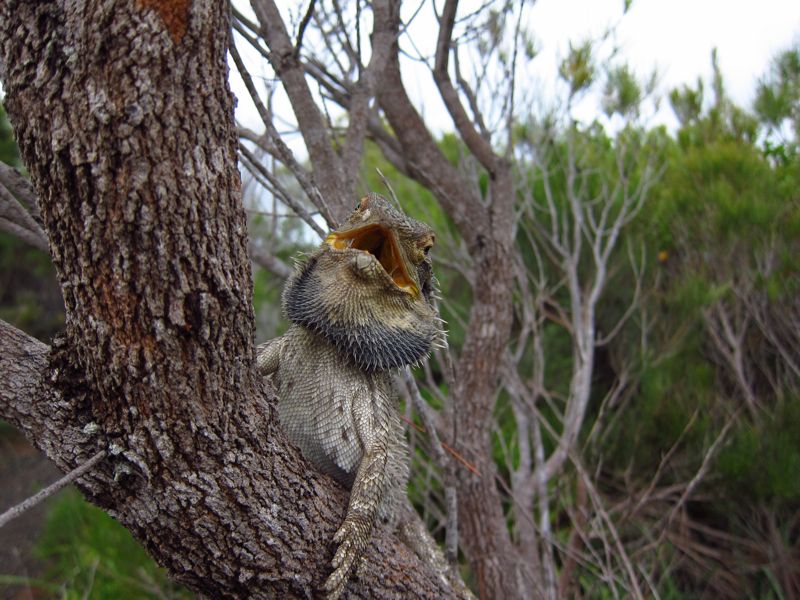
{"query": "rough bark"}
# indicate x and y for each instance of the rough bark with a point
(124, 120)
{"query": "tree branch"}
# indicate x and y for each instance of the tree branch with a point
(359, 113)
(39, 497)
(13, 216)
(269, 261)
(476, 143)
(278, 148)
(424, 161)
(20, 188)
(328, 173)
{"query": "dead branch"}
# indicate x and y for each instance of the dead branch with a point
(41, 496)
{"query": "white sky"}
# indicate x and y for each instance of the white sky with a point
(674, 37)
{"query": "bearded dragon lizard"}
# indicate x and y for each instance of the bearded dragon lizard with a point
(361, 307)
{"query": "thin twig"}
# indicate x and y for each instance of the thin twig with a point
(390, 188)
(302, 29)
(703, 470)
(25, 505)
(281, 151)
(470, 467)
(259, 170)
(451, 528)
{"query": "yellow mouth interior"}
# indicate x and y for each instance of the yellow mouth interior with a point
(379, 242)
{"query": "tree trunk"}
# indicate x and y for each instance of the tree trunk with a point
(125, 122)
(499, 572)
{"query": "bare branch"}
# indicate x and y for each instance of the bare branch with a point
(341, 32)
(278, 147)
(479, 146)
(302, 29)
(13, 216)
(259, 170)
(702, 471)
(23, 364)
(472, 100)
(728, 344)
(20, 188)
(327, 168)
(635, 303)
(423, 160)
(262, 257)
(664, 461)
(26, 235)
(441, 459)
(29, 503)
(363, 92)
(620, 549)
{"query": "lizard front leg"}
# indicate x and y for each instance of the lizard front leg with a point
(268, 355)
(368, 492)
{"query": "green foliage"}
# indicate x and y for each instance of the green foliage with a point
(9, 152)
(578, 68)
(89, 555)
(722, 211)
(762, 461)
(778, 96)
(721, 120)
(721, 231)
(719, 193)
(622, 93)
(687, 103)
(671, 406)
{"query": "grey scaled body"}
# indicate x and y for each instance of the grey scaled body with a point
(360, 307)
(353, 413)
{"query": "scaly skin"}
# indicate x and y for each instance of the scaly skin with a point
(361, 307)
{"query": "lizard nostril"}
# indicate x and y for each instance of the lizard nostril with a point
(362, 261)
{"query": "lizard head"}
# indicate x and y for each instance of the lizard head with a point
(369, 288)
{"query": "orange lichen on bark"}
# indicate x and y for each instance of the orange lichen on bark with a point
(174, 13)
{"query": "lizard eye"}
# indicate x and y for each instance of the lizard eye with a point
(427, 249)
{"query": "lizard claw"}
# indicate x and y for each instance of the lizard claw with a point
(334, 585)
(344, 555)
(351, 538)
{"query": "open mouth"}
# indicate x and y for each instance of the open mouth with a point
(380, 242)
